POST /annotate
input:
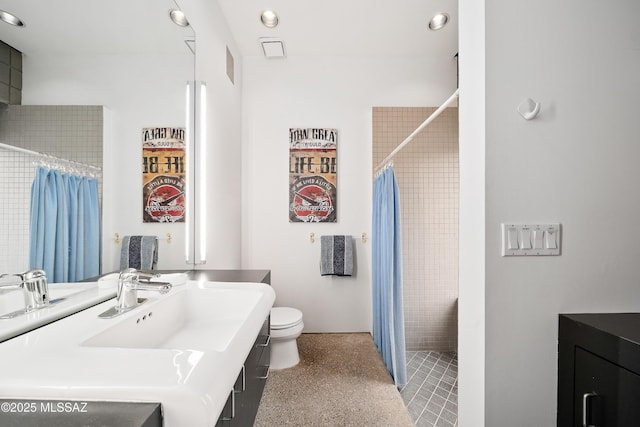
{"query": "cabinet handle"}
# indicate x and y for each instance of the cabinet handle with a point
(586, 409)
(266, 375)
(244, 381)
(233, 407)
(266, 343)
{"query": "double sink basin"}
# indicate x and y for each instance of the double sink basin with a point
(183, 349)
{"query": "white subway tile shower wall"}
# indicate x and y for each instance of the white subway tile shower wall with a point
(69, 132)
(427, 174)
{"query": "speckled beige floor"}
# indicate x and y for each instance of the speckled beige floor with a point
(340, 381)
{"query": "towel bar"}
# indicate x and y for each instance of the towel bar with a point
(312, 237)
(116, 237)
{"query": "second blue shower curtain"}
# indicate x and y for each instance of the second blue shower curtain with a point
(388, 317)
(64, 229)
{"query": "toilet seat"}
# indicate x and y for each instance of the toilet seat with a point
(285, 317)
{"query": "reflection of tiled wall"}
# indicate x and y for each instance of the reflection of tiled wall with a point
(10, 75)
(427, 174)
(69, 132)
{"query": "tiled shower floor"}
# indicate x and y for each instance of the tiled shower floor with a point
(431, 393)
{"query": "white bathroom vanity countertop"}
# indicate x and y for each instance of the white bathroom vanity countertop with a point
(60, 361)
(78, 296)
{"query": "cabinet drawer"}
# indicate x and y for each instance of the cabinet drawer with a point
(243, 402)
(606, 395)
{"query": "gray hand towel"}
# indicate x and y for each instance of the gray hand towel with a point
(139, 252)
(336, 255)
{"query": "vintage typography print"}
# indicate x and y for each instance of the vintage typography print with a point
(163, 174)
(312, 175)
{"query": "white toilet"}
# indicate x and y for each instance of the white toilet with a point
(286, 327)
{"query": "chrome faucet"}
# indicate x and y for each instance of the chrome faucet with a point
(130, 282)
(34, 286)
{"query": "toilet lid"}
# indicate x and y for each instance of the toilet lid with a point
(285, 317)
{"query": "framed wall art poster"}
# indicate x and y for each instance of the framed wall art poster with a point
(312, 175)
(163, 174)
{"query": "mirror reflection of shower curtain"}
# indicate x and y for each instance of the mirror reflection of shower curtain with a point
(64, 229)
(388, 315)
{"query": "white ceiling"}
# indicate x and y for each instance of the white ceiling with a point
(308, 27)
(93, 26)
(346, 27)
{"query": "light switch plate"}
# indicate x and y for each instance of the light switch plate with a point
(532, 239)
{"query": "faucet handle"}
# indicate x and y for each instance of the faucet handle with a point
(144, 274)
(128, 272)
(33, 274)
(132, 273)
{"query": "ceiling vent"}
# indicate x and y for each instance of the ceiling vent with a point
(272, 47)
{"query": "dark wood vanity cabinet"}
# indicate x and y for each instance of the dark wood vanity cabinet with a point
(599, 370)
(242, 405)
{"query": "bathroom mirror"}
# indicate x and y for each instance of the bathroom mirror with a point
(128, 57)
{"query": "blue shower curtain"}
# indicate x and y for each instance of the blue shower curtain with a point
(64, 226)
(388, 316)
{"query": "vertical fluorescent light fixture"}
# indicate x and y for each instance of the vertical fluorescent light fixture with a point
(196, 185)
(189, 150)
(201, 146)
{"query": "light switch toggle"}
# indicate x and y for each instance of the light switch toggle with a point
(526, 238)
(551, 239)
(537, 239)
(512, 237)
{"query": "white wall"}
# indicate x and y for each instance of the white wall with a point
(138, 90)
(335, 92)
(577, 164)
(471, 288)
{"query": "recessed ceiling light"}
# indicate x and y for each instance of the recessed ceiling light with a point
(10, 19)
(438, 21)
(269, 19)
(178, 18)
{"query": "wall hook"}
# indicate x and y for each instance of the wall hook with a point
(529, 109)
(116, 237)
(312, 237)
(364, 237)
(168, 237)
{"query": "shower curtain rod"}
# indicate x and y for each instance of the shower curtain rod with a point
(418, 130)
(54, 158)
